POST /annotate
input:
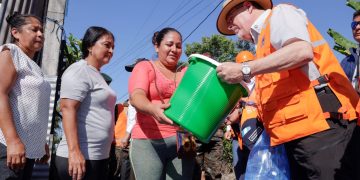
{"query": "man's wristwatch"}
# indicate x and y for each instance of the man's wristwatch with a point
(246, 71)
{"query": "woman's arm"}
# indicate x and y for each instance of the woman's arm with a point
(76, 160)
(15, 148)
(142, 104)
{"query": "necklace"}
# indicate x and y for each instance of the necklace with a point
(170, 74)
(160, 65)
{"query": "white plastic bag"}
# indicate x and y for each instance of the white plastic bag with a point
(266, 162)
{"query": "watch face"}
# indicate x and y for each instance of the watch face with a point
(246, 70)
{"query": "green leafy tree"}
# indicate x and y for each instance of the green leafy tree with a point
(73, 50)
(220, 48)
(342, 44)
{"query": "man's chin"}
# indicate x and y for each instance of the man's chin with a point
(246, 39)
(357, 39)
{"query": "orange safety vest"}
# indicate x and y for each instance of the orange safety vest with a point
(120, 126)
(288, 105)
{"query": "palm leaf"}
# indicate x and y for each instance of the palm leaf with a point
(353, 4)
(342, 44)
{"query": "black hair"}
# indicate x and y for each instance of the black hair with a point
(159, 35)
(17, 20)
(356, 13)
(93, 34)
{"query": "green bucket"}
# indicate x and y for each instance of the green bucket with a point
(202, 101)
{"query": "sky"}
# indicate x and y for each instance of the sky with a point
(133, 23)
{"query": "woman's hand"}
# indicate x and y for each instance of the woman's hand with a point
(15, 155)
(76, 159)
(15, 148)
(46, 156)
(158, 113)
(139, 100)
(76, 164)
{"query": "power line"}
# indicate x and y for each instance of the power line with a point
(143, 41)
(195, 14)
(202, 21)
(140, 46)
(147, 19)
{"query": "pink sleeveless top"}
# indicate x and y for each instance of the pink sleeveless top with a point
(143, 77)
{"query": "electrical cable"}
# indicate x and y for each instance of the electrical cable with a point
(202, 22)
(140, 47)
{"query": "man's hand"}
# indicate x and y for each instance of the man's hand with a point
(230, 72)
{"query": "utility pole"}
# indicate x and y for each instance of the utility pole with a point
(54, 22)
(53, 34)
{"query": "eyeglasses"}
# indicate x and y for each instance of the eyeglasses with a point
(354, 24)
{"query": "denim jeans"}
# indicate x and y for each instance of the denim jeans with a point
(240, 158)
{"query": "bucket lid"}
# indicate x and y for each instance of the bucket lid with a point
(200, 56)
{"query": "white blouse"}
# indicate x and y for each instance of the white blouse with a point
(29, 100)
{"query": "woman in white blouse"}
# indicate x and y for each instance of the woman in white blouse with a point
(24, 99)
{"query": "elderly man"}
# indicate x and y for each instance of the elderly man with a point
(305, 100)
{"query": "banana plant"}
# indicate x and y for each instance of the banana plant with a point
(342, 44)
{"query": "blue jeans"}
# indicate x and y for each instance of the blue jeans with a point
(157, 160)
(240, 158)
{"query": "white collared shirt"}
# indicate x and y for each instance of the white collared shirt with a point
(258, 25)
(287, 22)
(131, 118)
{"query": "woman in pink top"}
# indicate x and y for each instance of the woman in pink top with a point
(152, 83)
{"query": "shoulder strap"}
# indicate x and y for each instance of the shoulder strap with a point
(156, 87)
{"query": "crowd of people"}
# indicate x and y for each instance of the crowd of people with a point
(300, 95)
